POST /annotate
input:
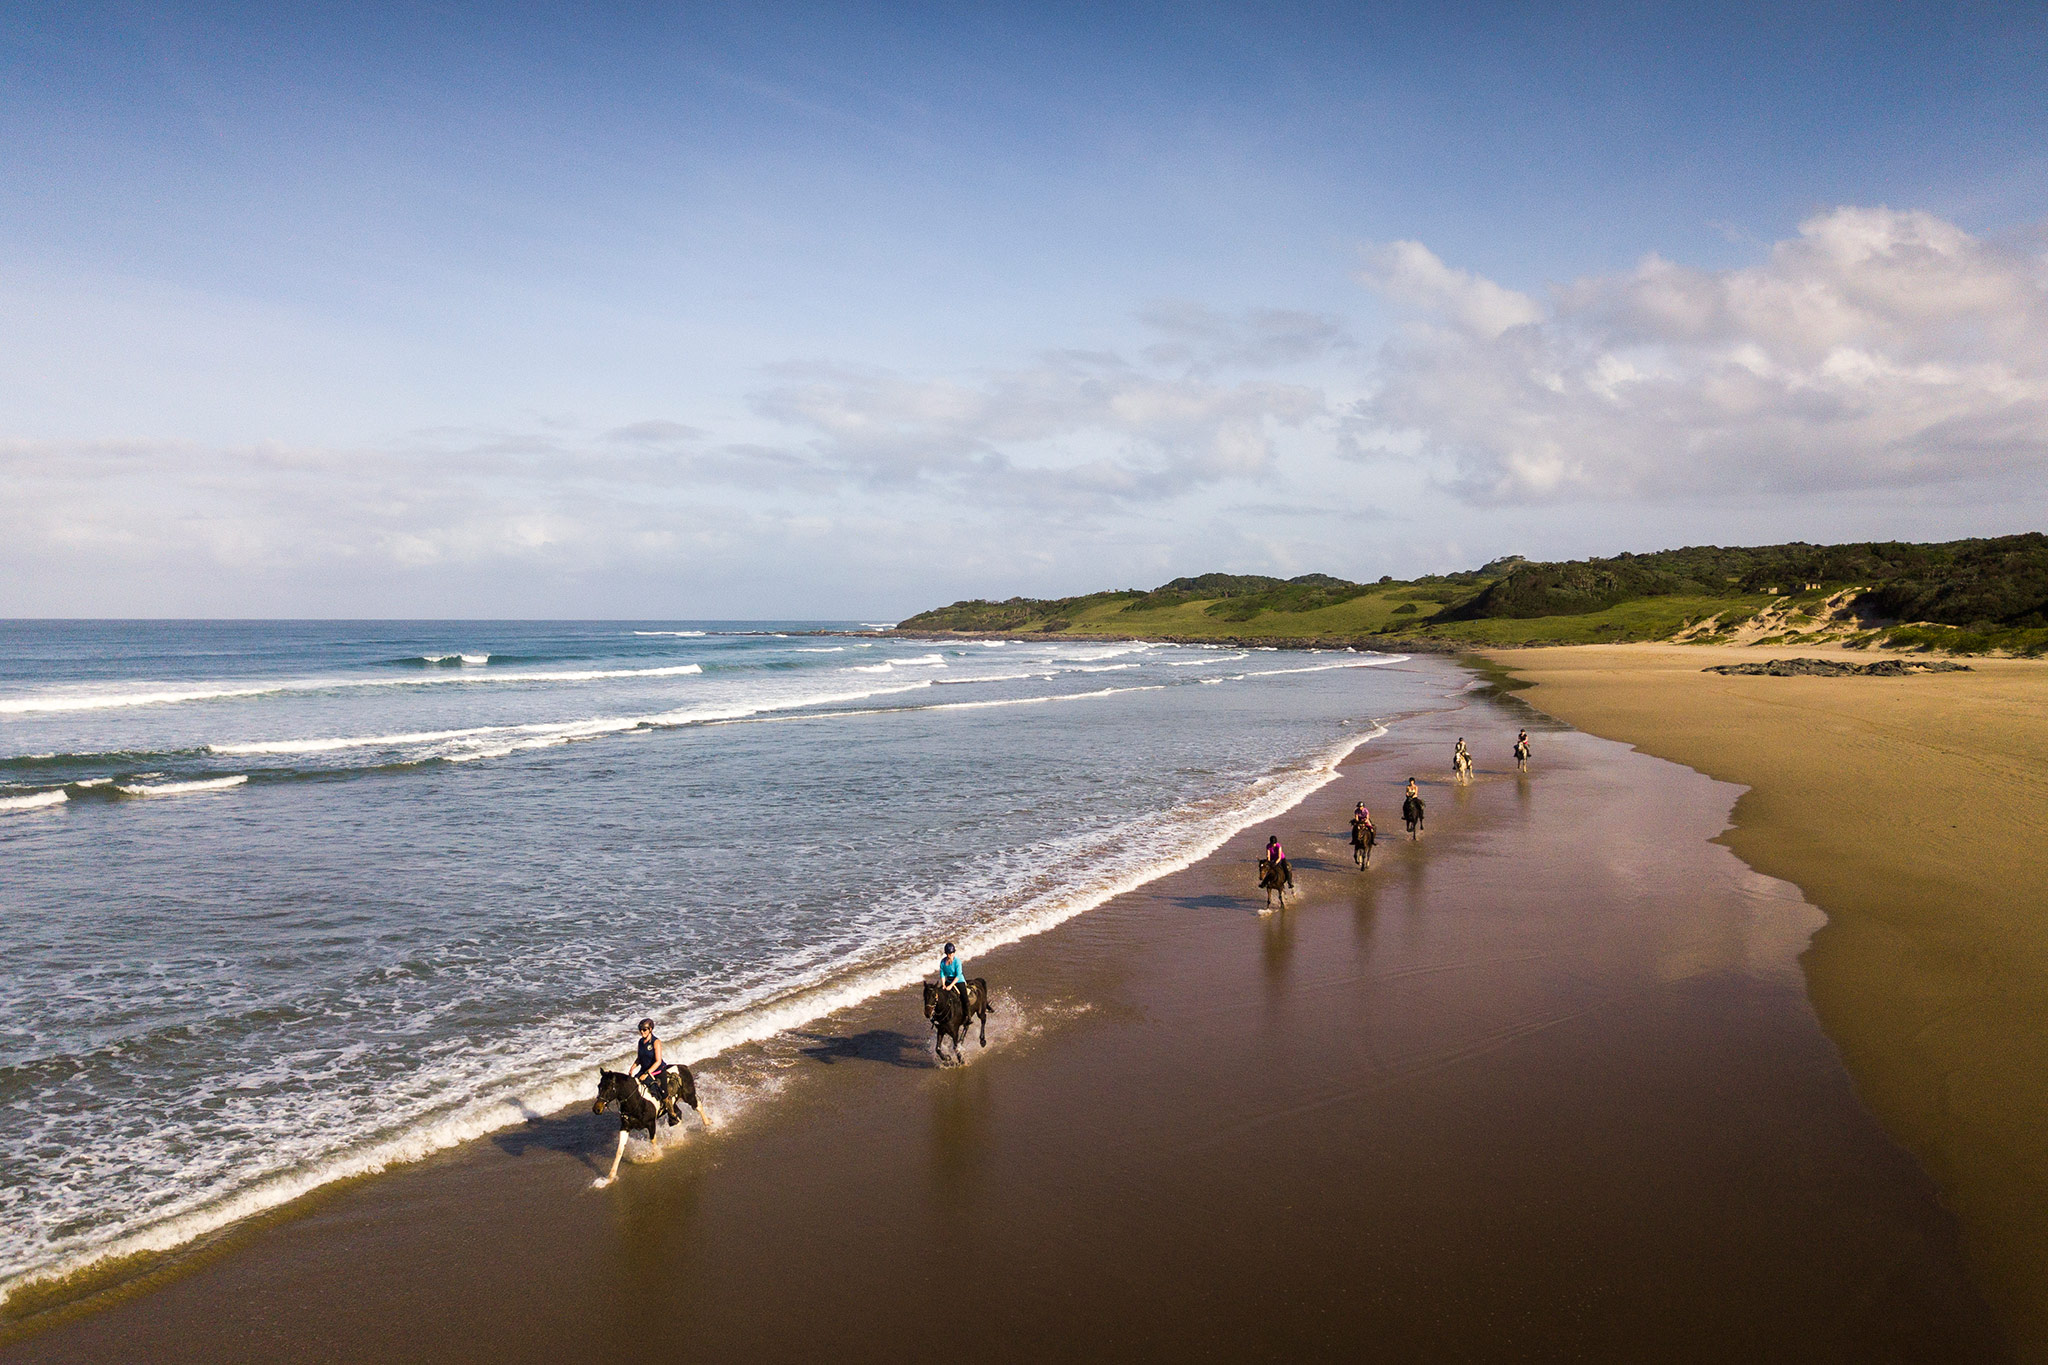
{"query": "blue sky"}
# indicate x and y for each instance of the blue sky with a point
(824, 311)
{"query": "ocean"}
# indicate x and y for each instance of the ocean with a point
(286, 902)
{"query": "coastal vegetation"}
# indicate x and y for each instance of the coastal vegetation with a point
(1963, 597)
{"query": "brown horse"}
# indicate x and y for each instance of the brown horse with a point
(1363, 837)
(949, 1015)
(1276, 881)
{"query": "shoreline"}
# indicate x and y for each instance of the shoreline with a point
(144, 1253)
(1435, 1106)
(1914, 813)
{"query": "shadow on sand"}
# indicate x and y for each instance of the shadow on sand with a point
(886, 1046)
(577, 1133)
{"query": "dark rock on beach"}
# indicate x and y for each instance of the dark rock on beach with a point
(1837, 668)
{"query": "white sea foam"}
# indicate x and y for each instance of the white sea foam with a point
(324, 746)
(109, 700)
(819, 649)
(1204, 663)
(1142, 851)
(207, 784)
(1036, 701)
(33, 801)
(475, 658)
(686, 634)
(1379, 662)
(99, 701)
(498, 741)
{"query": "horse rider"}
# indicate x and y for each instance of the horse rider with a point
(1413, 790)
(953, 975)
(1361, 819)
(1462, 753)
(648, 1067)
(1276, 857)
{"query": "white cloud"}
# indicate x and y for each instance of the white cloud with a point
(1876, 349)
(1412, 275)
(1076, 427)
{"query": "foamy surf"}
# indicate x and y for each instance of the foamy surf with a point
(383, 1061)
(1110, 863)
(116, 700)
(209, 784)
(33, 801)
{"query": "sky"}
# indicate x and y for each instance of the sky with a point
(844, 311)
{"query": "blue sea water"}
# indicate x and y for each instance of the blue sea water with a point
(282, 902)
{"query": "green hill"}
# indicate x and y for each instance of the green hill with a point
(1965, 596)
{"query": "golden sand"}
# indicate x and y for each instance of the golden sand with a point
(1914, 811)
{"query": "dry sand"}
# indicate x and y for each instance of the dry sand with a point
(1543, 1086)
(1914, 812)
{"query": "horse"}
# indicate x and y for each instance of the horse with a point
(1521, 755)
(1363, 837)
(1411, 813)
(949, 1015)
(1276, 880)
(636, 1111)
(1461, 763)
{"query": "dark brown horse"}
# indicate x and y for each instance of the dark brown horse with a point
(949, 1015)
(1363, 837)
(1276, 880)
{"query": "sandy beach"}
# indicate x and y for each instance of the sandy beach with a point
(1544, 1085)
(1914, 812)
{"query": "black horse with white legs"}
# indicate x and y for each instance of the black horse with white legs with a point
(950, 1014)
(674, 1088)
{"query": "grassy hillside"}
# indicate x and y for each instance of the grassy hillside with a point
(1969, 596)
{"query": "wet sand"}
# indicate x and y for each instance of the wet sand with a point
(1544, 1086)
(1914, 812)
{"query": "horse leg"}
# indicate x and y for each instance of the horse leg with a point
(613, 1174)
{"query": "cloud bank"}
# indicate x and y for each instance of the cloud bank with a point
(1877, 349)
(846, 470)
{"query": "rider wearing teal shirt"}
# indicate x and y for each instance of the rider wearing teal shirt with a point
(953, 974)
